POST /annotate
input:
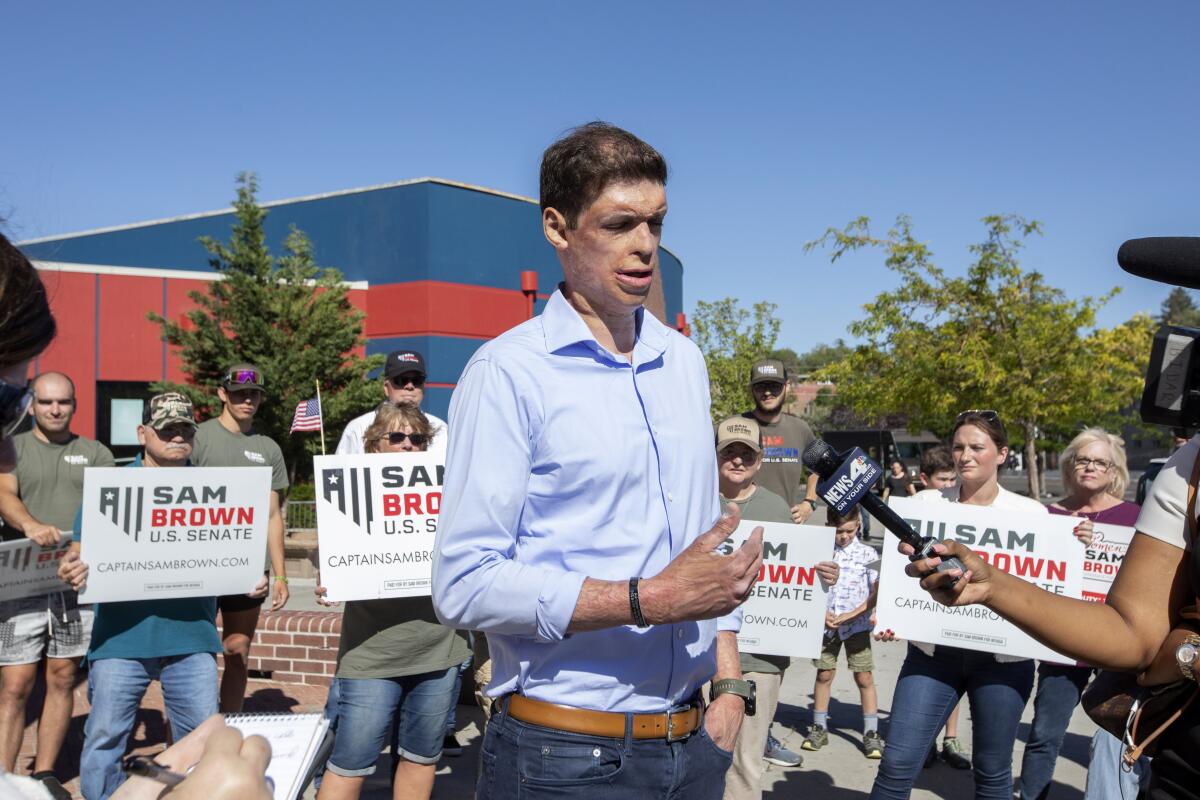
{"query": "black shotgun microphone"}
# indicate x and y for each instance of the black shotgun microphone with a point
(1170, 259)
(846, 481)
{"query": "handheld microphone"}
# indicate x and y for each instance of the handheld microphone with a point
(1170, 259)
(846, 481)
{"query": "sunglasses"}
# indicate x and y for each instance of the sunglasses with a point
(398, 437)
(982, 413)
(239, 377)
(399, 382)
(15, 402)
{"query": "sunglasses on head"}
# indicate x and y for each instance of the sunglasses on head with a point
(398, 437)
(239, 377)
(15, 402)
(399, 381)
(982, 413)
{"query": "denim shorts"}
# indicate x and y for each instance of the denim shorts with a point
(54, 625)
(367, 708)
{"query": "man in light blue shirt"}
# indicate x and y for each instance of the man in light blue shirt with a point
(581, 513)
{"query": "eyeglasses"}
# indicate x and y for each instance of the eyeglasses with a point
(15, 402)
(398, 437)
(984, 413)
(400, 381)
(1099, 464)
(239, 377)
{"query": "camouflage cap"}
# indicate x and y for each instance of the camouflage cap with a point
(169, 408)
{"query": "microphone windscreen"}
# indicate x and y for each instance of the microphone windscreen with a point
(1170, 259)
(817, 452)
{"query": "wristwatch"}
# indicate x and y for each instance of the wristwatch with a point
(811, 502)
(743, 689)
(1186, 655)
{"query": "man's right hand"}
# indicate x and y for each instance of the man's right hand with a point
(701, 583)
(45, 535)
(72, 570)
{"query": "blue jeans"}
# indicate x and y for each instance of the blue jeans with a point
(1107, 779)
(928, 688)
(534, 763)
(115, 690)
(367, 707)
(1058, 691)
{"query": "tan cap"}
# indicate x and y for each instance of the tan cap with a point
(769, 370)
(168, 409)
(738, 429)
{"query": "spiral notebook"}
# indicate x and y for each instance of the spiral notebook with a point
(298, 743)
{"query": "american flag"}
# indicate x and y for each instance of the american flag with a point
(308, 416)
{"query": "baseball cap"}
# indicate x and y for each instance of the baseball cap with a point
(768, 370)
(401, 361)
(167, 409)
(738, 429)
(244, 376)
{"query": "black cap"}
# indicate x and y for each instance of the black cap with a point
(402, 361)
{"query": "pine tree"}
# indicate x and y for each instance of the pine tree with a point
(1180, 309)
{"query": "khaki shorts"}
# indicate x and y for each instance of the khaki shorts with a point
(858, 652)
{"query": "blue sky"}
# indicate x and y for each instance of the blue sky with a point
(778, 120)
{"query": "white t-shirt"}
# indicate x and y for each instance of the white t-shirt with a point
(1010, 501)
(351, 442)
(1166, 504)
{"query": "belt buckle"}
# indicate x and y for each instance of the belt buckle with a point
(671, 737)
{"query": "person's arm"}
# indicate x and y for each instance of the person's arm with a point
(805, 508)
(17, 515)
(911, 489)
(1140, 610)
(723, 718)
(279, 595)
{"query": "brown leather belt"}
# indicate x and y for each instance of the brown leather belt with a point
(672, 725)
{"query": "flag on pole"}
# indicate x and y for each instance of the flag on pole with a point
(308, 416)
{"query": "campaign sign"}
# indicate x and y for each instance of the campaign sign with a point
(1103, 558)
(168, 532)
(29, 570)
(1039, 548)
(785, 615)
(850, 482)
(377, 517)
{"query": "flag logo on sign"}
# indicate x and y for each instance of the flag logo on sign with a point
(123, 506)
(350, 490)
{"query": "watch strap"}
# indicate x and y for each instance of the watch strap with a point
(742, 689)
(1189, 669)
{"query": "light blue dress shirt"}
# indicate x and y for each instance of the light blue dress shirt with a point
(567, 461)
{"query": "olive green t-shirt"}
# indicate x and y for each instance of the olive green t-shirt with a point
(396, 637)
(50, 477)
(216, 446)
(763, 506)
(783, 441)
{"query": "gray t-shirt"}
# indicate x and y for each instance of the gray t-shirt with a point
(782, 443)
(50, 477)
(763, 506)
(396, 637)
(217, 446)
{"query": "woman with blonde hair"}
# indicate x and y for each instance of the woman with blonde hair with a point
(1095, 476)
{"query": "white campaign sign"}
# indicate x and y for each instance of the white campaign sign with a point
(377, 517)
(1039, 548)
(29, 570)
(169, 532)
(1104, 557)
(785, 615)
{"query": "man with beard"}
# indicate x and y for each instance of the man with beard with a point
(784, 437)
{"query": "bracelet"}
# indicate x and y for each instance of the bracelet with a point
(281, 578)
(635, 604)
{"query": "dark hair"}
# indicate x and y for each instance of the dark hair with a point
(26, 324)
(988, 422)
(577, 168)
(936, 459)
(833, 518)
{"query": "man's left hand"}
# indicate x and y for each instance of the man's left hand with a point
(801, 512)
(260, 588)
(280, 597)
(723, 720)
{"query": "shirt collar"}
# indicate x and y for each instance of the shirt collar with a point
(562, 327)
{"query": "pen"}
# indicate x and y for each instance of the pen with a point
(147, 767)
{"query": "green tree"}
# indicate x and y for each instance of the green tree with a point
(1180, 309)
(822, 355)
(732, 339)
(997, 337)
(287, 315)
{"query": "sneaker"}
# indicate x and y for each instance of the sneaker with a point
(931, 756)
(775, 753)
(872, 745)
(53, 788)
(817, 738)
(450, 746)
(954, 754)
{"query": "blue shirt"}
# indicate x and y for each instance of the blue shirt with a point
(152, 628)
(567, 461)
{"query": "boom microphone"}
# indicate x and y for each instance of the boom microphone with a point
(1170, 259)
(846, 481)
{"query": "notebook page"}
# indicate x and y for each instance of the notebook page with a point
(294, 740)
